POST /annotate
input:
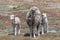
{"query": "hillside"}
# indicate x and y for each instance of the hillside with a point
(5, 2)
(21, 7)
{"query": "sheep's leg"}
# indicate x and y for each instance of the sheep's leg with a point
(33, 32)
(38, 30)
(42, 30)
(30, 31)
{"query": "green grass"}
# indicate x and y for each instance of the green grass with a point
(21, 6)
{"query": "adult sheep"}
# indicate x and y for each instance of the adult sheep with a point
(33, 20)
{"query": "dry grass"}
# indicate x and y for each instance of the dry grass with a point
(21, 37)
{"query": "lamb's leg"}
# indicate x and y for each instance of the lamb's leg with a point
(19, 28)
(45, 28)
(15, 30)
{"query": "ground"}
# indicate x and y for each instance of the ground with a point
(21, 37)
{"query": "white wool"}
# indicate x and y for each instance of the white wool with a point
(34, 8)
(17, 20)
(44, 14)
(11, 17)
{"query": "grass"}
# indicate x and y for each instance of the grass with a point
(21, 6)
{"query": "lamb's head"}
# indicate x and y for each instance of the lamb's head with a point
(44, 14)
